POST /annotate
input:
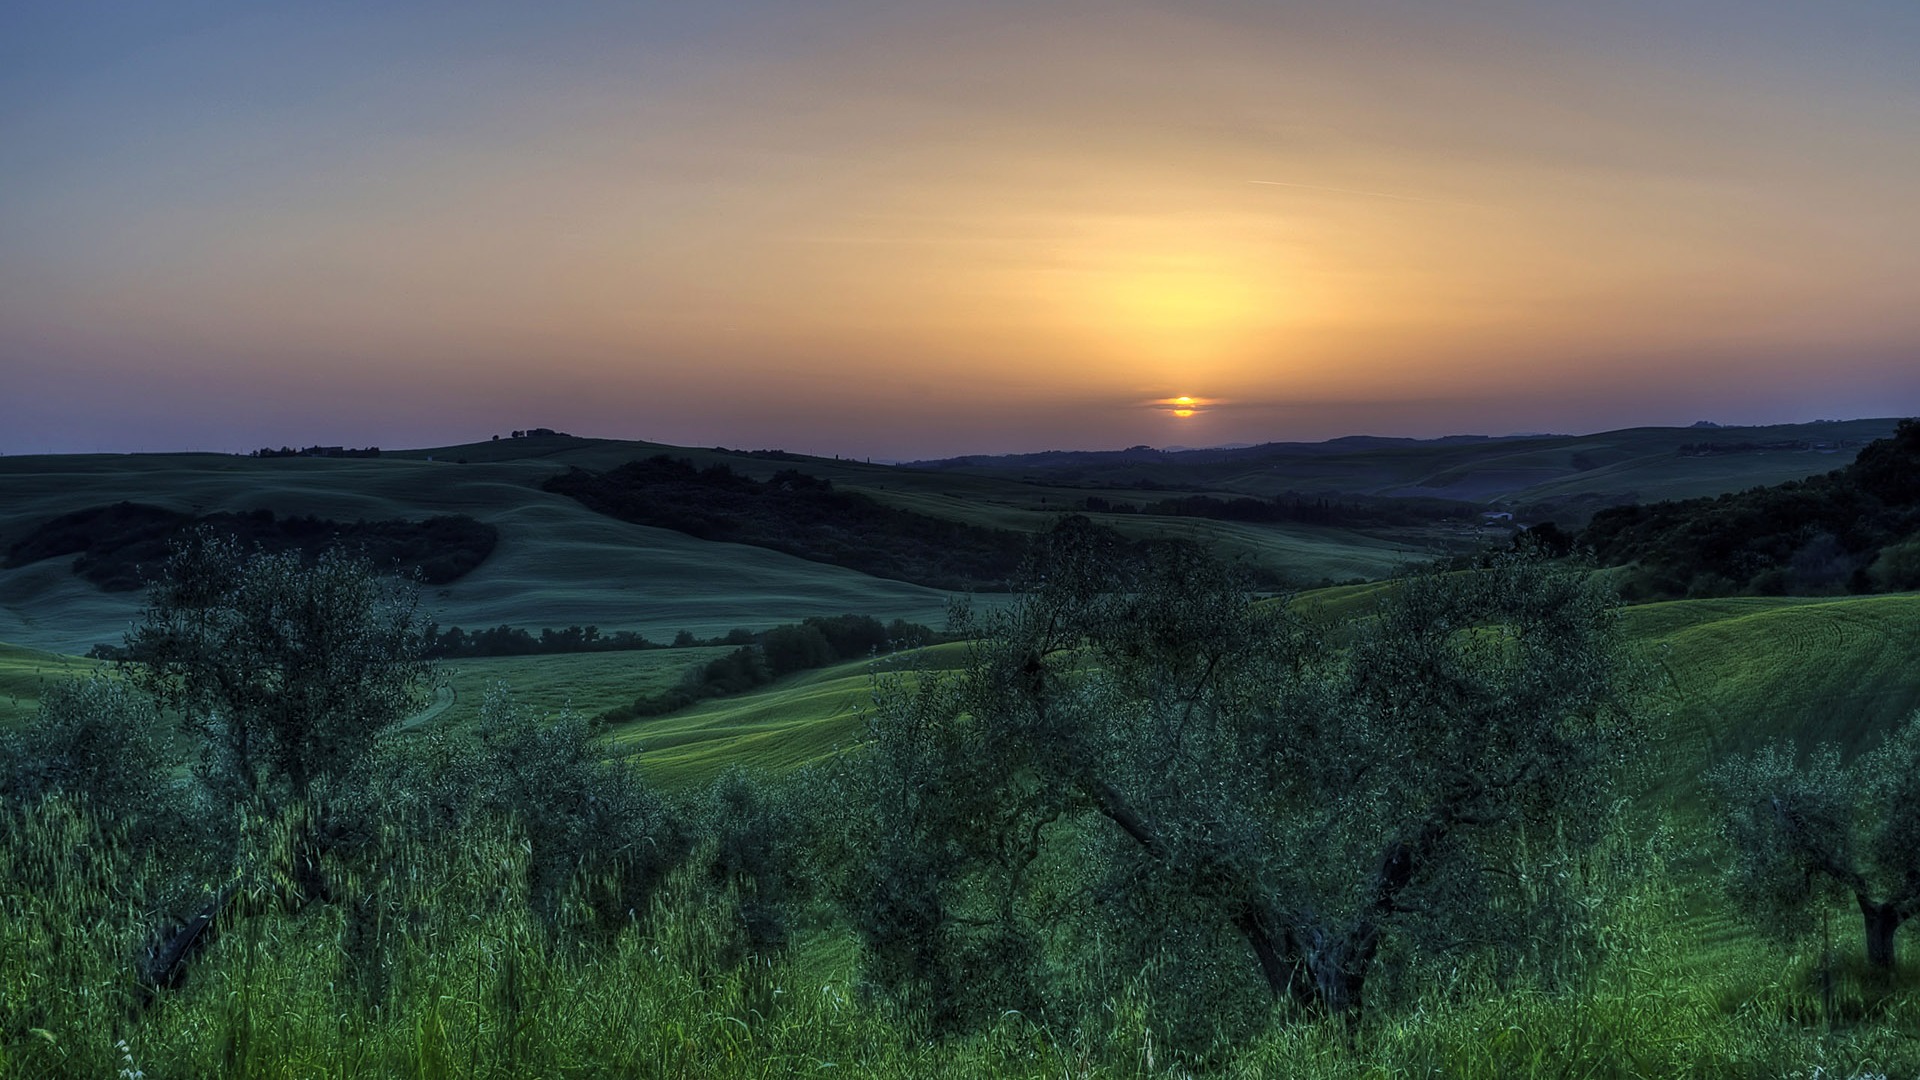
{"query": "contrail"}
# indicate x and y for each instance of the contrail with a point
(1362, 191)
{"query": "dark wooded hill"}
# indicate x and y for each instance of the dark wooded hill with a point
(1855, 529)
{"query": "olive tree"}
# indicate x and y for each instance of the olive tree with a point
(90, 739)
(285, 672)
(97, 743)
(1805, 832)
(594, 831)
(1141, 761)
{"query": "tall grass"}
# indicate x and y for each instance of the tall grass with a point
(435, 964)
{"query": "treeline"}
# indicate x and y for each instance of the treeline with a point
(802, 515)
(1710, 449)
(317, 451)
(1855, 529)
(453, 643)
(760, 659)
(117, 544)
(1296, 509)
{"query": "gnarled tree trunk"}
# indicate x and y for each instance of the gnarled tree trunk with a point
(1340, 962)
(1882, 921)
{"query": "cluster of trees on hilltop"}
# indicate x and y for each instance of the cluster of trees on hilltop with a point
(1855, 529)
(817, 641)
(1709, 449)
(801, 515)
(119, 544)
(317, 451)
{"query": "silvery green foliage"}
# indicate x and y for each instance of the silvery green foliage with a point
(1806, 832)
(91, 739)
(757, 837)
(1790, 826)
(1140, 767)
(99, 749)
(285, 672)
(597, 834)
(1890, 776)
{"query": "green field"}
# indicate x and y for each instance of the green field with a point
(584, 683)
(1732, 674)
(801, 720)
(1739, 672)
(25, 675)
(557, 564)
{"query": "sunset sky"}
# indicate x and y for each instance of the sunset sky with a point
(914, 228)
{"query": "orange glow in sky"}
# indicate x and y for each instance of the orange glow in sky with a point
(917, 229)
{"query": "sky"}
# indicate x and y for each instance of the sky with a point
(914, 229)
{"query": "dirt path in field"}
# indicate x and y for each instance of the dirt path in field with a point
(443, 699)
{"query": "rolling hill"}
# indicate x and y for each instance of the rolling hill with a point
(1565, 476)
(557, 563)
(1732, 674)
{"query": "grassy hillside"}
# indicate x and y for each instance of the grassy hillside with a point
(795, 722)
(1742, 671)
(557, 563)
(25, 675)
(585, 683)
(560, 564)
(1734, 673)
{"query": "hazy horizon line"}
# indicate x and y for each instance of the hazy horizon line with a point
(1703, 425)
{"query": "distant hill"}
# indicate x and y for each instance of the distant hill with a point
(1350, 509)
(1559, 477)
(1189, 455)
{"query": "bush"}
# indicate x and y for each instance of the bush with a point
(1898, 567)
(93, 740)
(795, 648)
(596, 833)
(756, 847)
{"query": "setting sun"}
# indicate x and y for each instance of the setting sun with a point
(1184, 406)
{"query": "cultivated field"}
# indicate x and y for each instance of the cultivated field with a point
(557, 564)
(584, 683)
